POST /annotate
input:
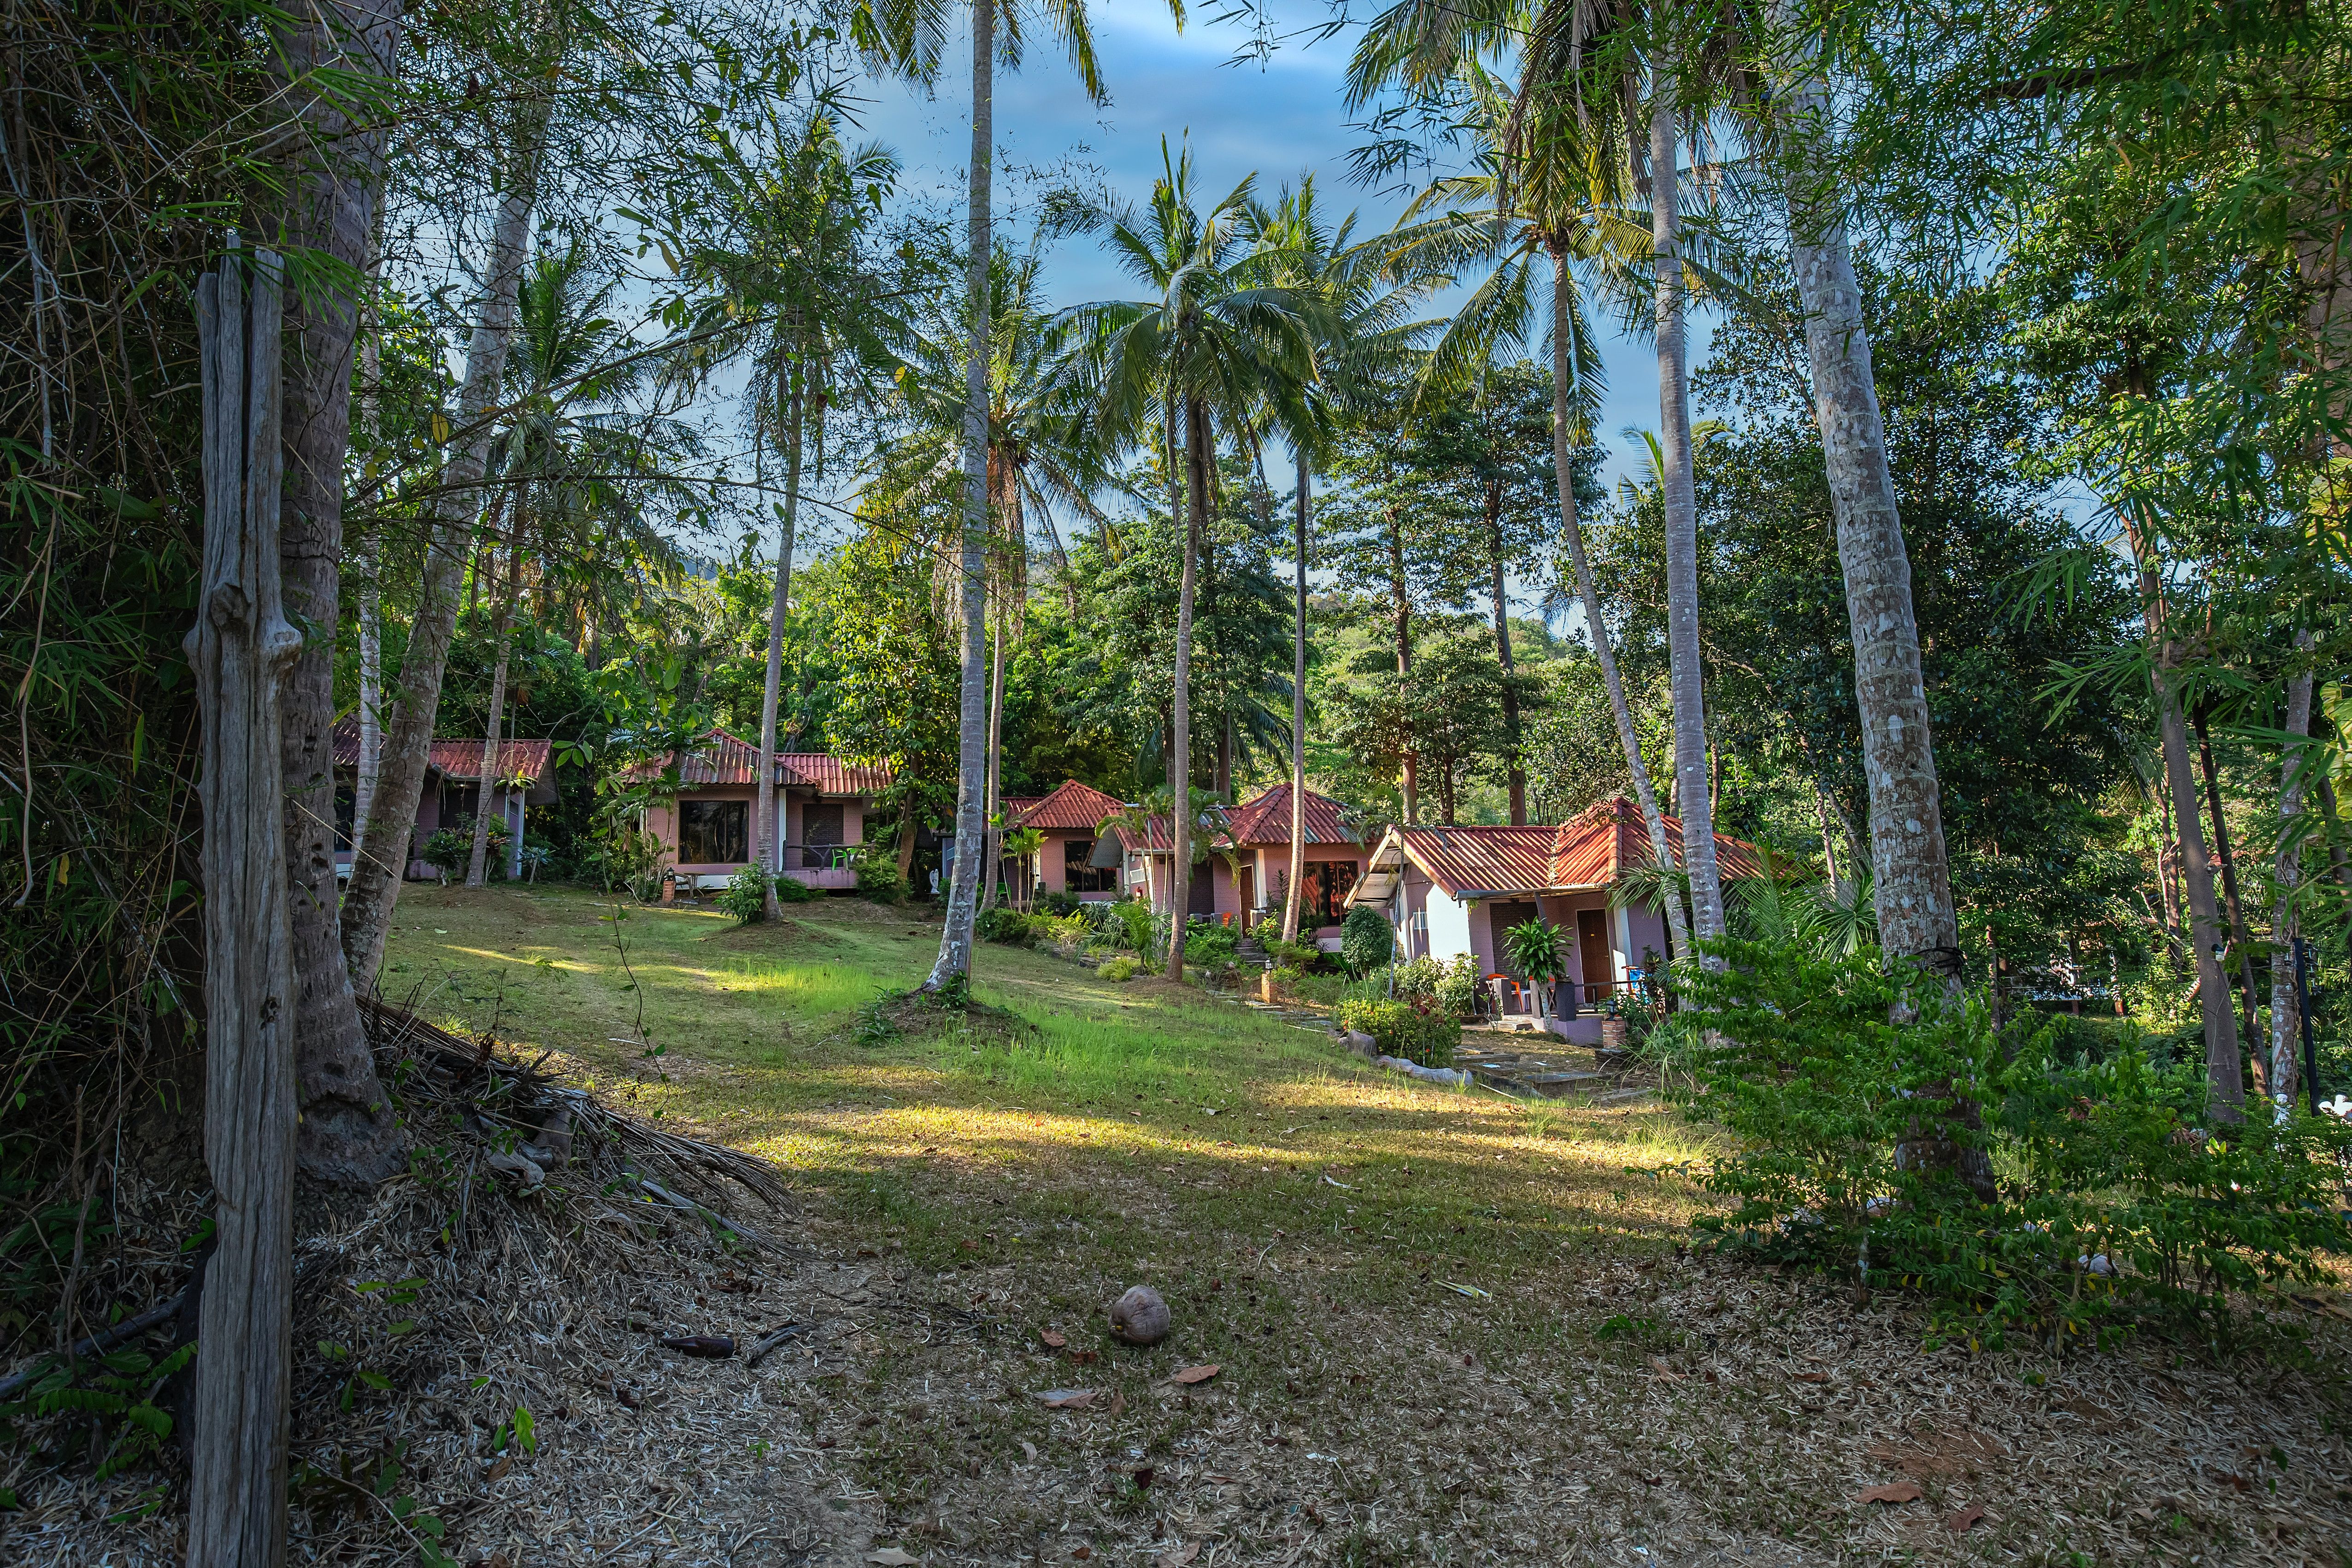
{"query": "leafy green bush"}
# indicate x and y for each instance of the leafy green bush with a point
(2122, 1196)
(1457, 991)
(792, 889)
(745, 896)
(1209, 945)
(1416, 1032)
(1122, 967)
(1066, 934)
(1130, 925)
(1367, 941)
(1285, 978)
(1057, 904)
(878, 878)
(1297, 955)
(1418, 978)
(1001, 925)
(451, 849)
(1329, 990)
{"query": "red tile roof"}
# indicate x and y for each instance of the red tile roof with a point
(1580, 856)
(1073, 806)
(726, 758)
(458, 758)
(1266, 819)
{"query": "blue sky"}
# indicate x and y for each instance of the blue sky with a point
(1279, 118)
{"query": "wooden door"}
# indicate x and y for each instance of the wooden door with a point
(1592, 953)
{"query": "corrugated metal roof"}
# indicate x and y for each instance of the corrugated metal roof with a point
(1266, 819)
(1579, 856)
(460, 760)
(1074, 806)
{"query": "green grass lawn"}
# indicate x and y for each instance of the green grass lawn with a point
(1452, 1327)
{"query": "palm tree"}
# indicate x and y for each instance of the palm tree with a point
(791, 290)
(1561, 197)
(1368, 334)
(1040, 454)
(1222, 337)
(1913, 875)
(910, 36)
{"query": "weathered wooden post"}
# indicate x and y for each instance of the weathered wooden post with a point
(240, 647)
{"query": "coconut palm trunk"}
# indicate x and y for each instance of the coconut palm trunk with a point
(1179, 760)
(1296, 881)
(1691, 794)
(995, 829)
(376, 880)
(769, 851)
(1911, 883)
(1911, 876)
(1513, 756)
(478, 859)
(1645, 795)
(348, 1135)
(954, 963)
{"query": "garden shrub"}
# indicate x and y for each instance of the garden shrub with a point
(1367, 941)
(1285, 978)
(1137, 929)
(1002, 924)
(1297, 955)
(745, 896)
(449, 849)
(1209, 945)
(878, 878)
(1066, 934)
(1416, 1032)
(1457, 991)
(792, 889)
(2124, 1197)
(1057, 904)
(1417, 980)
(1122, 967)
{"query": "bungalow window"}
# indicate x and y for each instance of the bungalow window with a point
(820, 830)
(1080, 874)
(714, 832)
(1329, 884)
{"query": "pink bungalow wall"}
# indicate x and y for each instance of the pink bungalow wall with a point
(1053, 870)
(661, 821)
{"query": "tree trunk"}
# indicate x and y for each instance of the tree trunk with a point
(2225, 1091)
(1512, 751)
(995, 829)
(375, 881)
(476, 862)
(1409, 780)
(1180, 770)
(1291, 891)
(371, 714)
(1572, 534)
(1911, 881)
(769, 844)
(2286, 876)
(954, 962)
(1223, 782)
(906, 826)
(241, 648)
(2236, 910)
(1911, 876)
(1682, 524)
(347, 1136)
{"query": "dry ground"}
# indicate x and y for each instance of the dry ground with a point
(1448, 1328)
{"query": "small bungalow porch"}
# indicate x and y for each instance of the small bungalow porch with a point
(1450, 891)
(705, 832)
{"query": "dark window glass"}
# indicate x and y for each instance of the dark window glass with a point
(821, 823)
(1329, 884)
(714, 832)
(1080, 876)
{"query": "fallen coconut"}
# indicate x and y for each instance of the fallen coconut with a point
(1139, 1317)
